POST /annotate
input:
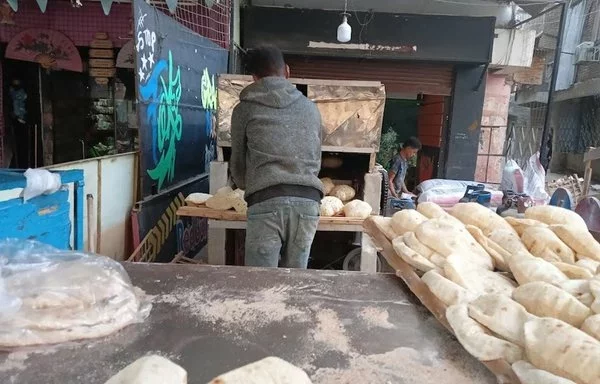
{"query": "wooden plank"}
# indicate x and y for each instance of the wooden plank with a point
(587, 179)
(230, 215)
(102, 63)
(103, 72)
(368, 254)
(101, 54)
(591, 154)
(500, 368)
(323, 226)
(302, 81)
(101, 44)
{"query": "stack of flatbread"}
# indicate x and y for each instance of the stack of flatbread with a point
(523, 290)
(68, 297)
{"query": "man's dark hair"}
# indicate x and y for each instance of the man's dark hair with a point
(412, 142)
(264, 61)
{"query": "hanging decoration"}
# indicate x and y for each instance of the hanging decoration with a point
(14, 4)
(172, 5)
(43, 4)
(102, 63)
(106, 5)
(126, 57)
(6, 14)
(51, 49)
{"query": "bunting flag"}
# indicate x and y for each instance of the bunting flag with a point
(172, 4)
(43, 4)
(14, 4)
(106, 5)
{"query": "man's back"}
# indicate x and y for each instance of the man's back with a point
(278, 131)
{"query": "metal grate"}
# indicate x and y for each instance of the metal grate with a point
(211, 22)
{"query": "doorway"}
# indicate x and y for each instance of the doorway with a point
(22, 113)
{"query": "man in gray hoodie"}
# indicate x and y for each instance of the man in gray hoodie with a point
(276, 158)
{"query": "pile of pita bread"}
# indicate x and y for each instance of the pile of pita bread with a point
(526, 291)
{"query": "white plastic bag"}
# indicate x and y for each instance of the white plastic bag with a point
(512, 177)
(51, 296)
(535, 180)
(40, 182)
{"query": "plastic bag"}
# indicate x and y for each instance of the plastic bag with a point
(445, 184)
(535, 180)
(40, 182)
(50, 296)
(512, 177)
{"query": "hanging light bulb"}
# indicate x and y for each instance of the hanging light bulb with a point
(344, 31)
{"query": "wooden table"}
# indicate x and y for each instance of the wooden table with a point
(223, 220)
(340, 327)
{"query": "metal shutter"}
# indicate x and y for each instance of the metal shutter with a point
(397, 76)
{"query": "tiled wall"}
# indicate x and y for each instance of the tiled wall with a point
(490, 159)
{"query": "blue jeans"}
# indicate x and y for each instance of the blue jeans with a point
(280, 232)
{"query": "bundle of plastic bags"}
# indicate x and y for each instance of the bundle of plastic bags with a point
(52, 296)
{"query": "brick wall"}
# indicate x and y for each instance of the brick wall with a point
(490, 158)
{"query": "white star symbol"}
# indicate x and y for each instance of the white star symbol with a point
(144, 61)
(141, 19)
(151, 59)
(141, 74)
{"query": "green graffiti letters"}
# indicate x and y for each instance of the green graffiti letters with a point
(169, 126)
(208, 91)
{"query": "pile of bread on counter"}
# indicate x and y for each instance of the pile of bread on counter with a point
(339, 200)
(526, 291)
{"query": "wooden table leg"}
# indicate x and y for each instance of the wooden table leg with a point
(368, 255)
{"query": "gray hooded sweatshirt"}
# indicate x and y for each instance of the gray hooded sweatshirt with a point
(276, 142)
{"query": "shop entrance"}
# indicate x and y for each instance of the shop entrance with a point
(22, 113)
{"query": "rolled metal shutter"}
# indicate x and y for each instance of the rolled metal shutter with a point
(397, 76)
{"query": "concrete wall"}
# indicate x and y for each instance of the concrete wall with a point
(110, 180)
(513, 49)
(490, 157)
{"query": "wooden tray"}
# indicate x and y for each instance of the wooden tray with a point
(209, 213)
(500, 368)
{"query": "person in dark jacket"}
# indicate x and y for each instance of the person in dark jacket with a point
(276, 159)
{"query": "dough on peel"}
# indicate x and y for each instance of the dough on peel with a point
(509, 241)
(327, 185)
(446, 239)
(477, 280)
(434, 211)
(552, 215)
(580, 289)
(411, 257)
(540, 240)
(527, 269)
(197, 198)
(331, 206)
(579, 239)
(590, 265)
(446, 290)
(557, 347)
(152, 369)
(271, 370)
(384, 224)
(499, 254)
(477, 340)
(502, 315)
(591, 326)
(573, 271)
(413, 243)
(546, 300)
(479, 216)
(358, 209)
(407, 220)
(343, 192)
(520, 225)
(220, 203)
(528, 374)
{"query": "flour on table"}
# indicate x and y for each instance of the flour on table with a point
(376, 318)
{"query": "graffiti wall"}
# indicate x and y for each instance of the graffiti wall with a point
(175, 72)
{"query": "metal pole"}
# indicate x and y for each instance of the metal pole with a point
(544, 145)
